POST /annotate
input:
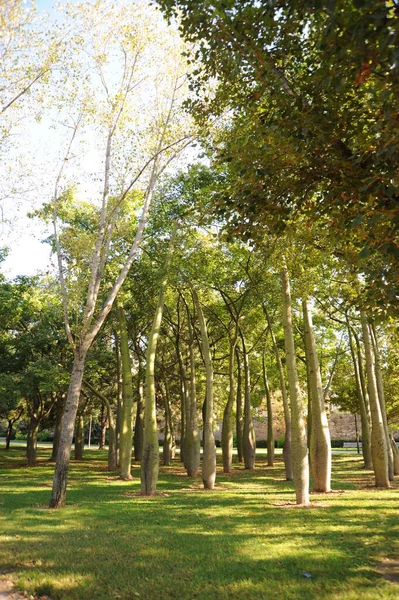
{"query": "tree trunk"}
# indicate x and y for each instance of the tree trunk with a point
(58, 426)
(320, 443)
(300, 461)
(150, 461)
(139, 424)
(184, 401)
(381, 397)
(192, 447)
(167, 438)
(9, 433)
(58, 495)
(120, 399)
(248, 437)
(126, 432)
(239, 417)
(378, 439)
(79, 438)
(227, 426)
(209, 454)
(31, 445)
(364, 420)
(269, 408)
(395, 452)
(287, 447)
(103, 425)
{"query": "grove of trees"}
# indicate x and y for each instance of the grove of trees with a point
(222, 208)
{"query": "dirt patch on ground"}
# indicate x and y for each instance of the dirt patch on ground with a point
(8, 592)
(389, 569)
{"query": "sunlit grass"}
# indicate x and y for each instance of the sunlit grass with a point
(240, 541)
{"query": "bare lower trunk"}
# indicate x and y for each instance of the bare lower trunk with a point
(9, 433)
(381, 397)
(103, 425)
(112, 447)
(119, 403)
(58, 426)
(287, 448)
(126, 432)
(58, 494)
(239, 417)
(227, 427)
(269, 408)
(378, 439)
(320, 444)
(192, 447)
(139, 425)
(150, 461)
(209, 455)
(395, 453)
(79, 438)
(167, 448)
(299, 442)
(31, 445)
(248, 438)
(364, 420)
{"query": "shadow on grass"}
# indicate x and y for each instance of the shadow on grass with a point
(232, 543)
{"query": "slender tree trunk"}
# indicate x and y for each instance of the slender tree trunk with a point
(150, 461)
(209, 454)
(58, 495)
(239, 417)
(9, 433)
(269, 408)
(171, 422)
(381, 397)
(103, 425)
(320, 443)
(248, 438)
(79, 438)
(300, 461)
(227, 426)
(139, 425)
(120, 398)
(192, 447)
(364, 420)
(167, 438)
(126, 432)
(31, 446)
(58, 426)
(184, 401)
(112, 450)
(362, 376)
(287, 448)
(378, 439)
(395, 452)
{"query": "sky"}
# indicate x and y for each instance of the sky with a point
(33, 141)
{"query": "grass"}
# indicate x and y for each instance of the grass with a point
(240, 541)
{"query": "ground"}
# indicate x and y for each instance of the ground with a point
(244, 540)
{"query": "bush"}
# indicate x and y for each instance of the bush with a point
(279, 443)
(337, 443)
(21, 436)
(45, 436)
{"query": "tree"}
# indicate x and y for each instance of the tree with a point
(127, 36)
(299, 445)
(309, 93)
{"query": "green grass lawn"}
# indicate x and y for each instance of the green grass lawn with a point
(240, 541)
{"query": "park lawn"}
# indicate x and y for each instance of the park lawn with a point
(240, 541)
